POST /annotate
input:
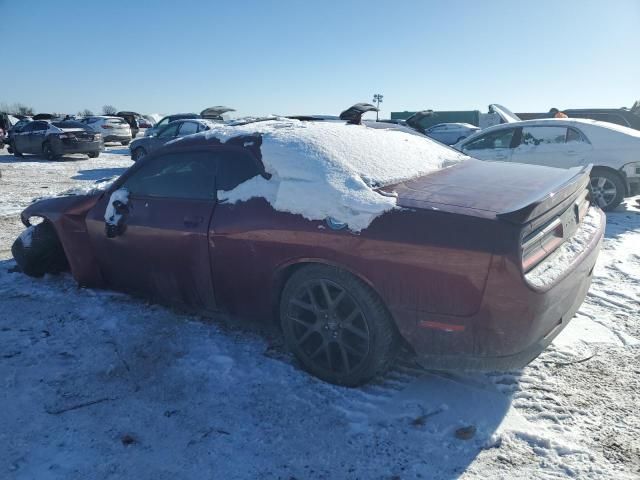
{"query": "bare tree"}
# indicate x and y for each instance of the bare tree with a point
(16, 109)
(109, 110)
(85, 113)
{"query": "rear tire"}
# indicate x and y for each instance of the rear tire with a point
(126, 142)
(607, 188)
(41, 253)
(336, 326)
(93, 154)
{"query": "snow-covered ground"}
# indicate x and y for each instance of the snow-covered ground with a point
(101, 385)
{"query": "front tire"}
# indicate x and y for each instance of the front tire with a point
(138, 154)
(126, 142)
(38, 251)
(336, 326)
(47, 152)
(93, 154)
(16, 152)
(607, 188)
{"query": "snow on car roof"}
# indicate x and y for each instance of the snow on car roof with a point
(330, 169)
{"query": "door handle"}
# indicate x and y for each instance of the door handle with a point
(572, 152)
(501, 156)
(192, 221)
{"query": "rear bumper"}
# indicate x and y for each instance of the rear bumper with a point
(117, 138)
(515, 323)
(60, 148)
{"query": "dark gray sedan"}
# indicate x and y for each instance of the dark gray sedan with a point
(145, 145)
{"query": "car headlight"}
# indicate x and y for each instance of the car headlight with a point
(631, 169)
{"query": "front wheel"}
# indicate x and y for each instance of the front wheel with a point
(93, 154)
(126, 142)
(607, 189)
(336, 326)
(16, 152)
(47, 152)
(38, 251)
(138, 154)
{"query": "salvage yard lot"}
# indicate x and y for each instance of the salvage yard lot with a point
(97, 384)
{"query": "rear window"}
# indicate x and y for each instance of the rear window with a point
(116, 121)
(70, 124)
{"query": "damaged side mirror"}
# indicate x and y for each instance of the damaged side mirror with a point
(116, 213)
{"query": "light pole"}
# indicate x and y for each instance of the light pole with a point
(377, 99)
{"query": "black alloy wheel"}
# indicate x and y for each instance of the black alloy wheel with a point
(337, 326)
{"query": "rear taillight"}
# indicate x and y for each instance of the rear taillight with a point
(537, 246)
(107, 126)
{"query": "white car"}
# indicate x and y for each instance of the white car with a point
(613, 150)
(449, 133)
(113, 129)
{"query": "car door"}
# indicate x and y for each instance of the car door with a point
(494, 145)
(554, 146)
(161, 249)
(439, 133)
(36, 137)
(20, 138)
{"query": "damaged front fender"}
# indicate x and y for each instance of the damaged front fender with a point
(67, 215)
(53, 208)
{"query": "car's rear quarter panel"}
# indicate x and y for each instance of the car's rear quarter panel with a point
(423, 264)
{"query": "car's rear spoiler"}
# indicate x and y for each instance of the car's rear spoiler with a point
(565, 191)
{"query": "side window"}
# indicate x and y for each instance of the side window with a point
(543, 135)
(170, 131)
(493, 140)
(27, 128)
(235, 168)
(39, 126)
(188, 128)
(574, 135)
(189, 175)
(164, 122)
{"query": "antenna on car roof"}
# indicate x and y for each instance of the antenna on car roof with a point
(353, 114)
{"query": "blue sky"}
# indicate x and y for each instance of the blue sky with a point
(319, 56)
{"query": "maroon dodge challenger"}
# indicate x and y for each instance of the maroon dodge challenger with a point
(358, 238)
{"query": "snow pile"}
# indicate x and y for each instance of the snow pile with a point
(324, 170)
(111, 216)
(548, 271)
